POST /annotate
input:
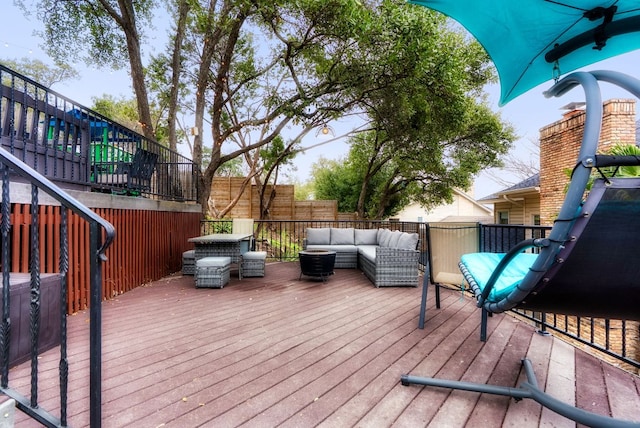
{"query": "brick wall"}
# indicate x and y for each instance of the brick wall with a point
(560, 144)
(559, 147)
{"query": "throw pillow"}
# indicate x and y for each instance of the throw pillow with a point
(384, 236)
(395, 237)
(408, 241)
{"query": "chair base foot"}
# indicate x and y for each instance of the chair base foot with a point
(528, 389)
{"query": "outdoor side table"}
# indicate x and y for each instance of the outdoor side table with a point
(317, 263)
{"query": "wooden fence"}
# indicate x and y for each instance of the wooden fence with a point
(283, 207)
(148, 246)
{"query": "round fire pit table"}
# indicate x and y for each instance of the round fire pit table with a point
(317, 263)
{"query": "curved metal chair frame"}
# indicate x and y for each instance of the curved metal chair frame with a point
(562, 278)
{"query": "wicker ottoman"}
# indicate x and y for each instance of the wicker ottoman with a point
(189, 262)
(212, 272)
(253, 263)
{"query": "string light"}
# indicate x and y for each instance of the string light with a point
(14, 46)
(325, 130)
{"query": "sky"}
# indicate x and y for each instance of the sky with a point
(527, 114)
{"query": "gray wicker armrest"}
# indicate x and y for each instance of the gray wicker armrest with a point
(398, 256)
(396, 266)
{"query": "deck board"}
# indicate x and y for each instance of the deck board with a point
(277, 351)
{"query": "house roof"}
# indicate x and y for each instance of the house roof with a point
(527, 185)
(473, 201)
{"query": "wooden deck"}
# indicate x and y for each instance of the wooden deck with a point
(277, 351)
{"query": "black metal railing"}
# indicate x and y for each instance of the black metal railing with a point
(617, 339)
(101, 234)
(78, 148)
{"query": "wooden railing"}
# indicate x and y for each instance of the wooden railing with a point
(149, 246)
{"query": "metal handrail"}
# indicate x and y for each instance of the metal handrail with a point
(101, 235)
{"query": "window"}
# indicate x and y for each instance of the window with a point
(535, 220)
(503, 217)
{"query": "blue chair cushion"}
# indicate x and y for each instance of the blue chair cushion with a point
(481, 265)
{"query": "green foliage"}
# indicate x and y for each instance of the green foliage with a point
(429, 129)
(304, 191)
(217, 226)
(623, 171)
(283, 247)
(275, 154)
(617, 149)
(252, 70)
(86, 27)
(45, 74)
(120, 109)
(336, 180)
(231, 168)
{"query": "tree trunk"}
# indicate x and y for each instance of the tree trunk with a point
(128, 24)
(176, 70)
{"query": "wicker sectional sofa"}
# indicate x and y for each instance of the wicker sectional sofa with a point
(387, 258)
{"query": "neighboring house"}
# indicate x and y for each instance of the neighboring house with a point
(518, 204)
(537, 200)
(463, 208)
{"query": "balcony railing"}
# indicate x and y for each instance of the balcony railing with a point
(617, 340)
(78, 148)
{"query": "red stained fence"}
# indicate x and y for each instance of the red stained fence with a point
(148, 246)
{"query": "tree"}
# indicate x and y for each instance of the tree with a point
(108, 31)
(323, 60)
(429, 129)
(47, 75)
(330, 180)
(380, 176)
(304, 191)
(254, 71)
(258, 91)
(517, 165)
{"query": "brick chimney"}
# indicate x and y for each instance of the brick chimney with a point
(560, 145)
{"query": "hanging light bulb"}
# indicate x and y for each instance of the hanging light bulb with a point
(325, 130)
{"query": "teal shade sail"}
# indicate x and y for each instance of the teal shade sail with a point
(533, 41)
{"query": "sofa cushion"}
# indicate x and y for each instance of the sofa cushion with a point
(395, 237)
(384, 236)
(366, 236)
(408, 241)
(368, 252)
(342, 236)
(318, 236)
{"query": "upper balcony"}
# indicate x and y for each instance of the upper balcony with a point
(79, 149)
